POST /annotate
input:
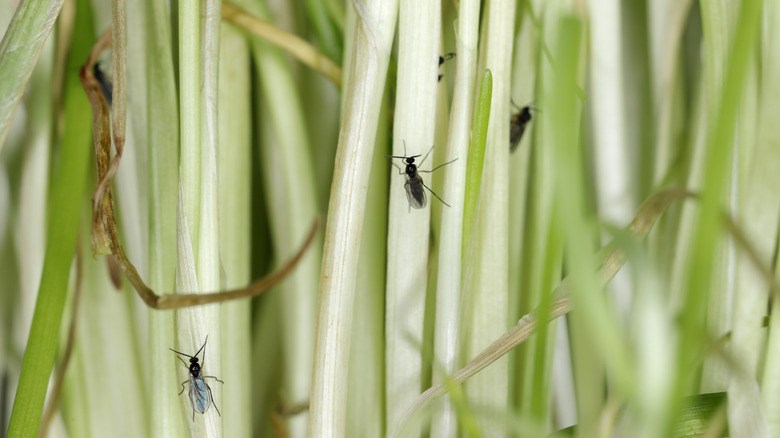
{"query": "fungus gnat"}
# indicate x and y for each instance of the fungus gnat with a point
(517, 125)
(105, 84)
(442, 60)
(200, 392)
(414, 183)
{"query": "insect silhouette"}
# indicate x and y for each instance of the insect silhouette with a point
(517, 125)
(200, 392)
(105, 84)
(414, 183)
(442, 60)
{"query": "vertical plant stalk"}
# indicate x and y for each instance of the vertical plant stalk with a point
(575, 224)
(476, 158)
(291, 203)
(717, 21)
(717, 165)
(19, 51)
(201, 267)
(612, 162)
(769, 139)
(759, 208)
(119, 79)
(103, 394)
(366, 399)
(535, 252)
(235, 160)
(67, 190)
(611, 158)
(190, 112)
(371, 52)
(326, 30)
(448, 287)
(487, 315)
(30, 236)
(163, 174)
(536, 237)
(408, 229)
(666, 23)
(190, 325)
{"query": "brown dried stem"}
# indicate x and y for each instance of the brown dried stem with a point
(105, 233)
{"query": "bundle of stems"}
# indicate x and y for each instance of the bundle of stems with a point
(569, 229)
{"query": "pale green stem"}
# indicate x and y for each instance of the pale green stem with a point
(717, 25)
(611, 159)
(562, 111)
(109, 402)
(535, 248)
(190, 107)
(718, 163)
(366, 399)
(327, 33)
(446, 339)
(131, 186)
(209, 266)
(199, 266)
(163, 174)
(666, 23)
(408, 229)
(68, 185)
(371, 51)
(291, 202)
(290, 196)
(235, 160)
(22, 44)
(30, 237)
(487, 315)
(757, 213)
(205, 321)
(769, 143)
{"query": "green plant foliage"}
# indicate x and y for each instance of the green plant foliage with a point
(496, 309)
(68, 188)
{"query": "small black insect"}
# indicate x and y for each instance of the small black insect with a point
(414, 182)
(105, 84)
(442, 60)
(200, 392)
(517, 125)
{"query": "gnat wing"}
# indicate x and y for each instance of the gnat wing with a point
(516, 131)
(517, 127)
(200, 399)
(415, 193)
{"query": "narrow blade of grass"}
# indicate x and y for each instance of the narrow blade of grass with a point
(163, 173)
(448, 292)
(476, 156)
(19, 51)
(408, 228)
(769, 141)
(68, 189)
(487, 313)
(235, 160)
(370, 57)
(291, 206)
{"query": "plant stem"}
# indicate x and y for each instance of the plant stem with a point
(68, 185)
(371, 52)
